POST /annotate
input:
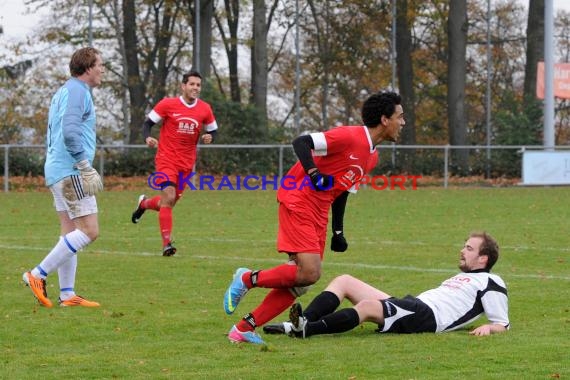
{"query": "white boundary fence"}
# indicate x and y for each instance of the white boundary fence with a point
(445, 150)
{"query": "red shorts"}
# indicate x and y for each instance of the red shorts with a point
(170, 173)
(299, 233)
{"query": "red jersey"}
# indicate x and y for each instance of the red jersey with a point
(180, 131)
(344, 152)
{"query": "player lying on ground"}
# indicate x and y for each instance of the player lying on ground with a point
(457, 302)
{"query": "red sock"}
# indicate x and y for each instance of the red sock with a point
(246, 278)
(276, 302)
(152, 203)
(165, 222)
(279, 277)
(243, 326)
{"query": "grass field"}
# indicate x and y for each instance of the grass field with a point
(162, 318)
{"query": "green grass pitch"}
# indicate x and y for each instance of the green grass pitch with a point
(162, 318)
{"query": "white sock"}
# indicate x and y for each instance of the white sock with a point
(66, 274)
(66, 247)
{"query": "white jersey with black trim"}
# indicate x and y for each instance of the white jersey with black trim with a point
(464, 297)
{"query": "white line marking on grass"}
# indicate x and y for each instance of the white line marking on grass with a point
(503, 247)
(392, 267)
(255, 259)
(512, 249)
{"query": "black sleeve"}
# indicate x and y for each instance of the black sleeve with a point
(303, 145)
(338, 207)
(147, 125)
(213, 134)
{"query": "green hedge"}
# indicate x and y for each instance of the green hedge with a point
(126, 162)
(24, 161)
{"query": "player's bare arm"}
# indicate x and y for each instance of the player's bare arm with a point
(488, 329)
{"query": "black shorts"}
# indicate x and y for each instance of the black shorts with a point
(406, 315)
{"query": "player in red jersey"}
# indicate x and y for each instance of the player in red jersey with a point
(331, 164)
(183, 120)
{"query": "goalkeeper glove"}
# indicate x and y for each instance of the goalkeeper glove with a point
(89, 177)
(338, 242)
(321, 182)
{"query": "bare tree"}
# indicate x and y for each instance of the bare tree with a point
(230, 41)
(152, 51)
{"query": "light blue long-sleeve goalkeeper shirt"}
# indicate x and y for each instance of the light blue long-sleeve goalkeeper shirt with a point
(71, 133)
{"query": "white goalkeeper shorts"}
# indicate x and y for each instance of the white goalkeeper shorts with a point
(68, 196)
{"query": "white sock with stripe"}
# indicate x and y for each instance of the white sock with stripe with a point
(66, 274)
(65, 248)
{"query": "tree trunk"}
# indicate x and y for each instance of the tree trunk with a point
(163, 40)
(406, 82)
(405, 71)
(456, 77)
(202, 38)
(231, 45)
(258, 95)
(322, 9)
(134, 83)
(325, 48)
(206, 15)
(534, 46)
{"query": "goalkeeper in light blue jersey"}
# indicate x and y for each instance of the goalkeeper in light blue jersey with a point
(69, 174)
(71, 131)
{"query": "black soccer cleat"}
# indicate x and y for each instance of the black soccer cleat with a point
(296, 315)
(298, 321)
(278, 328)
(168, 250)
(138, 213)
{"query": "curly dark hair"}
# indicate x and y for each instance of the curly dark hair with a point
(378, 105)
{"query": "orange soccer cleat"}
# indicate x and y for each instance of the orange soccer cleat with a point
(38, 287)
(78, 301)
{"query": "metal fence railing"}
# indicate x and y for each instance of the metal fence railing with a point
(438, 161)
